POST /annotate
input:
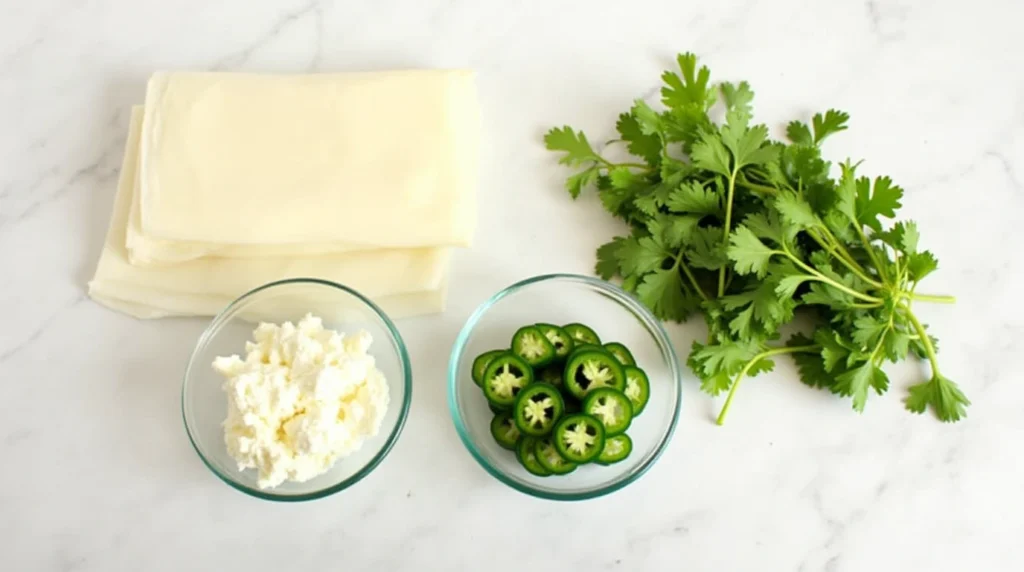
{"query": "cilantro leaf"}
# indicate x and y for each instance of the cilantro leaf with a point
(799, 133)
(623, 178)
(749, 254)
(896, 345)
(880, 200)
(638, 143)
(840, 227)
(621, 187)
(833, 352)
(691, 89)
(639, 256)
(803, 164)
(847, 191)
(822, 294)
(680, 230)
(775, 173)
(672, 231)
(716, 383)
(630, 282)
(868, 330)
(902, 236)
(577, 150)
(674, 171)
(917, 346)
(765, 226)
(787, 286)
(738, 97)
(576, 183)
(647, 118)
(706, 248)
(921, 264)
(763, 365)
(858, 381)
(685, 125)
(662, 291)
(692, 197)
(795, 211)
(943, 395)
(833, 121)
(608, 258)
(727, 358)
(762, 305)
(742, 325)
(615, 200)
(910, 237)
(809, 364)
(646, 203)
(747, 144)
(710, 154)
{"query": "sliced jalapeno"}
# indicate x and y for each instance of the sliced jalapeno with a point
(620, 352)
(579, 438)
(611, 407)
(638, 388)
(480, 364)
(583, 346)
(526, 453)
(559, 338)
(496, 409)
(537, 408)
(504, 431)
(505, 377)
(531, 345)
(615, 449)
(580, 333)
(549, 457)
(588, 370)
(572, 405)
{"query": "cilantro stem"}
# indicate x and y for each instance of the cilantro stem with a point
(926, 341)
(727, 229)
(611, 165)
(689, 274)
(756, 187)
(833, 247)
(765, 354)
(932, 298)
(872, 253)
(881, 340)
(815, 275)
(821, 278)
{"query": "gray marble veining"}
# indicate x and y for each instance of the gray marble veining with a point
(97, 472)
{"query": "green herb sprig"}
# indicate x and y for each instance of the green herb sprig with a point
(746, 232)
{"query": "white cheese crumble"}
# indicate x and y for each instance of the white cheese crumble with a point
(303, 397)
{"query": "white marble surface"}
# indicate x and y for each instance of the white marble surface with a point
(95, 470)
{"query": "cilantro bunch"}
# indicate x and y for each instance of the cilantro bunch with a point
(747, 232)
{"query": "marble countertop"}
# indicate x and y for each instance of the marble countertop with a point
(97, 473)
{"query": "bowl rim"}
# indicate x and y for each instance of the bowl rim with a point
(661, 336)
(368, 468)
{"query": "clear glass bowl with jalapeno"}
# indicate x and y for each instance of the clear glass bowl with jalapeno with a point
(564, 387)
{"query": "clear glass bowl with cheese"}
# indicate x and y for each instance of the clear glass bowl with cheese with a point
(297, 390)
(616, 316)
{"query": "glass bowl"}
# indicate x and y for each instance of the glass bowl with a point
(615, 315)
(204, 404)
